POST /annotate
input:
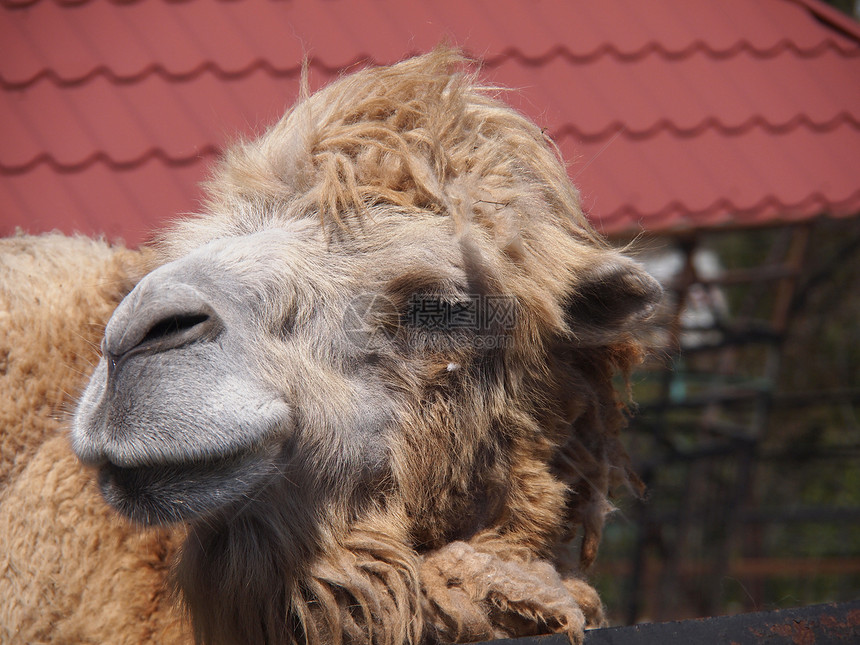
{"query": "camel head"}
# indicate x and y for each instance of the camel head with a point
(392, 313)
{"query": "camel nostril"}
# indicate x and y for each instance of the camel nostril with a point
(174, 329)
(158, 315)
(173, 325)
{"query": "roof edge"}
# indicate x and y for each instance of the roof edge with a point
(676, 215)
(832, 17)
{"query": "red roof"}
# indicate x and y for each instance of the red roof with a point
(672, 114)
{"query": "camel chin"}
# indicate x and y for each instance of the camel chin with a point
(167, 493)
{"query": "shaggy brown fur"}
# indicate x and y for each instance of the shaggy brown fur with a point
(70, 571)
(500, 456)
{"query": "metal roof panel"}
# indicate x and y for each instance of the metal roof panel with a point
(671, 114)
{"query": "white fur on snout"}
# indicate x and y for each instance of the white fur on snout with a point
(167, 421)
(86, 435)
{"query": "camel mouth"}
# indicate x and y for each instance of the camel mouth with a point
(156, 495)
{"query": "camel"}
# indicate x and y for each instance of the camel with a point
(365, 396)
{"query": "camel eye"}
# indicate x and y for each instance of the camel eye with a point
(283, 323)
(286, 326)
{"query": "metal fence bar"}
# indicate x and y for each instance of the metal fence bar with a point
(819, 624)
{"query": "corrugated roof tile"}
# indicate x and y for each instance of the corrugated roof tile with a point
(717, 180)
(100, 200)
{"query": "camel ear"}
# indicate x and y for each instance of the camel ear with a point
(614, 298)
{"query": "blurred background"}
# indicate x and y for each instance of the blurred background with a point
(747, 433)
(721, 139)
